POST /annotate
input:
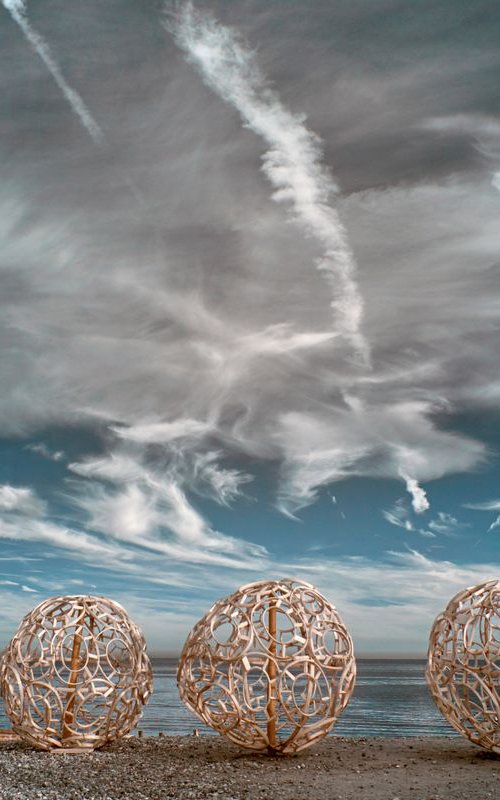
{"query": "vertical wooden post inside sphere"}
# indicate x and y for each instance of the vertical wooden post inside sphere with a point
(271, 686)
(75, 675)
(69, 713)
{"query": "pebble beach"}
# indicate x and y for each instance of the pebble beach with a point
(189, 767)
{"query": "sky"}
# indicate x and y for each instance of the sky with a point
(249, 320)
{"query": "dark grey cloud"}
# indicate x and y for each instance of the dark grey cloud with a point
(154, 280)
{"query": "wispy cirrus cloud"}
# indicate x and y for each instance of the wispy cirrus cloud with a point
(443, 524)
(292, 164)
(199, 358)
(483, 129)
(366, 440)
(21, 500)
(42, 450)
(388, 604)
(446, 524)
(488, 505)
(215, 349)
(417, 586)
(146, 506)
(400, 516)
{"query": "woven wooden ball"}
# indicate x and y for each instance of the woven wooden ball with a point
(271, 666)
(76, 674)
(463, 669)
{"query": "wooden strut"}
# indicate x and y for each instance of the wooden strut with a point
(462, 672)
(79, 713)
(271, 686)
(69, 713)
(260, 675)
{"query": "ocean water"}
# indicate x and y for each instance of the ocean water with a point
(390, 699)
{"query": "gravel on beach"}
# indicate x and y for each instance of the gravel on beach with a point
(189, 767)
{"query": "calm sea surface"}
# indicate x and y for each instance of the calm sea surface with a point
(390, 699)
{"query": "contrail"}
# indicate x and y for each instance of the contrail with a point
(292, 164)
(17, 9)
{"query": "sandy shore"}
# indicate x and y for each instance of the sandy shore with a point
(208, 767)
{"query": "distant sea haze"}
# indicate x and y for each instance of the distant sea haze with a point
(390, 699)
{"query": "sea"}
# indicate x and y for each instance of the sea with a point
(390, 699)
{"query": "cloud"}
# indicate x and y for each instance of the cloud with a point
(127, 515)
(76, 542)
(446, 524)
(163, 432)
(389, 604)
(489, 505)
(215, 337)
(222, 485)
(148, 508)
(17, 9)
(371, 441)
(397, 595)
(482, 128)
(22, 500)
(443, 524)
(293, 162)
(41, 449)
(419, 499)
(495, 524)
(15, 604)
(400, 516)
(115, 467)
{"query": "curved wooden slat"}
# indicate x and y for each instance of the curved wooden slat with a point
(76, 673)
(271, 666)
(463, 669)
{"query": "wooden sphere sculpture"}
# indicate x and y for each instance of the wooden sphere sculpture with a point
(76, 674)
(463, 669)
(271, 666)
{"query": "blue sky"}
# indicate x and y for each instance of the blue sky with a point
(249, 328)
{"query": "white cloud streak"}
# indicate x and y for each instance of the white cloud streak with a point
(222, 342)
(390, 605)
(495, 524)
(489, 505)
(42, 450)
(163, 432)
(399, 515)
(336, 444)
(292, 164)
(483, 129)
(76, 542)
(419, 499)
(446, 524)
(148, 508)
(17, 9)
(21, 500)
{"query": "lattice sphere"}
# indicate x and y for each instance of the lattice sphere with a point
(270, 667)
(463, 670)
(76, 674)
